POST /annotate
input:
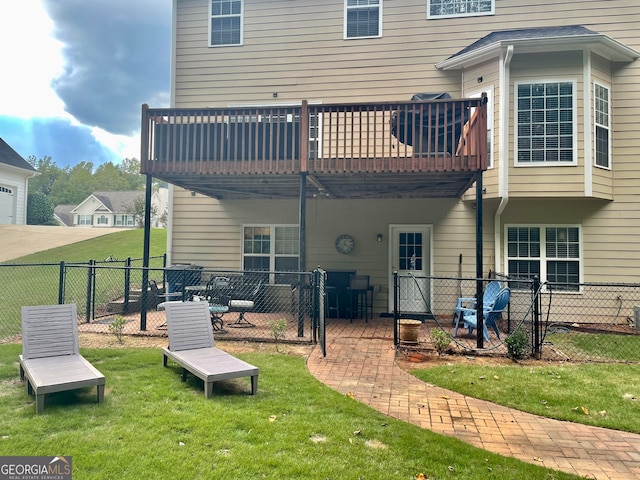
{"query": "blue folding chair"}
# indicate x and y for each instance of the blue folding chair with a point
(470, 321)
(468, 304)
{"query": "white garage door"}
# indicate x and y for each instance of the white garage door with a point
(7, 204)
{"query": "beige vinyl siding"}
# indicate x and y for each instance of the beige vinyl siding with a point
(490, 73)
(547, 180)
(295, 48)
(209, 232)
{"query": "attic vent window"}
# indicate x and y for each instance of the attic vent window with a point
(459, 8)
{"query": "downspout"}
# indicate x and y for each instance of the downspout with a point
(503, 154)
(172, 93)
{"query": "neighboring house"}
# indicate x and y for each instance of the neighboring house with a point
(292, 120)
(113, 209)
(15, 173)
(63, 215)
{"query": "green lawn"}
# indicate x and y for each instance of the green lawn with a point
(152, 425)
(35, 279)
(605, 395)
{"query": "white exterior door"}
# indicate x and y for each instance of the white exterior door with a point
(410, 255)
(7, 205)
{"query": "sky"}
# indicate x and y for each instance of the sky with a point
(75, 73)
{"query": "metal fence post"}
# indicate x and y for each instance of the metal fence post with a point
(61, 284)
(127, 284)
(536, 316)
(90, 276)
(395, 308)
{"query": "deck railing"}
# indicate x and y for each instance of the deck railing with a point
(442, 135)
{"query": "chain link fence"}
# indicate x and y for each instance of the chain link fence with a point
(568, 322)
(111, 298)
(595, 322)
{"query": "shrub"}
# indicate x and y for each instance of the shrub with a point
(440, 339)
(517, 345)
(117, 326)
(278, 328)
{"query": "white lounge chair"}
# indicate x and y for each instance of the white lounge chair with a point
(191, 345)
(50, 358)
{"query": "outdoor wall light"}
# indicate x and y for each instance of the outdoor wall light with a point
(193, 194)
(379, 237)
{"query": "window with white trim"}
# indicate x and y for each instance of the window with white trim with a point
(552, 253)
(85, 219)
(545, 123)
(602, 117)
(102, 220)
(459, 8)
(271, 248)
(362, 18)
(225, 26)
(124, 220)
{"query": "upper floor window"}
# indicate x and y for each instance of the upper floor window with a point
(552, 253)
(602, 116)
(362, 18)
(226, 22)
(459, 8)
(545, 123)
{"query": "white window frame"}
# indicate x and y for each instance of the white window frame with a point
(232, 15)
(350, 8)
(478, 94)
(460, 4)
(273, 250)
(543, 259)
(102, 220)
(574, 124)
(124, 220)
(85, 220)
(597, 115)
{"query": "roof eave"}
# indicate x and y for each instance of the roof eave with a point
(602, 45)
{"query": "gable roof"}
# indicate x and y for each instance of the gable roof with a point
(63, 214)
(563, 38)
(115, 202)
(9, 156)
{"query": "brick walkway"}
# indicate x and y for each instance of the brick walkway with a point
(361, 360)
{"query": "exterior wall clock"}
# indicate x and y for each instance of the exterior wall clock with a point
(345, 244)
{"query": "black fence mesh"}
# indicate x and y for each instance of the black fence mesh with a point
(594, 322)
(243, 305)
(568, 322)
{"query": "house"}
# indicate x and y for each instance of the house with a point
(63, 215)
(293, 140)
(15, 173)
(113, 209)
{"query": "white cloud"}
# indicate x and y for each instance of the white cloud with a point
(123, 146)
(31, 58)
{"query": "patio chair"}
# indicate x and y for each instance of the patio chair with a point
(244, 300)
(358, 289)
(470, 321)
(191, 345)
(50, 358)
(468, 304)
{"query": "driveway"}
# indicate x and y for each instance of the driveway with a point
(20, 240)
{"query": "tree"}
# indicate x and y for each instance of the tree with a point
(137, 210)
(49, 172)
(39, 210)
